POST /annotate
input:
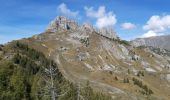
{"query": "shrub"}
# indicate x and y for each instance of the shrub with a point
(141, 85)
(116, 78)
(126, 80)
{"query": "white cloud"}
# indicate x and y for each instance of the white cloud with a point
(90, 12)
(62, 8)
(128, 26)
(150, 34)
(158, 23)
(104, 19)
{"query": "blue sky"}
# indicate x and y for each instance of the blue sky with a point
(129, 18)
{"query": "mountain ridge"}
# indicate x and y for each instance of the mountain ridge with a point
(110, 64)
(157, 41)
(88, 55)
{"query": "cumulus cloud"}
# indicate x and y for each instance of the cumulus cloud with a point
(62, 8)
(158, 23)
(104, 19)
(90, 12)
(149, 34)
(128, 26)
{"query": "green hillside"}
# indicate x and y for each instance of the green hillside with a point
(26, 74)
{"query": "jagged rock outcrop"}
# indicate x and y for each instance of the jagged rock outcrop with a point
(62, 23)
(108, 32)
(157, 41)
(87, 27)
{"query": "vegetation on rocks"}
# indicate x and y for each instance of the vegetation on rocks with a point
(140, 73)
(85, 41)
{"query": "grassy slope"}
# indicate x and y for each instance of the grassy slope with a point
(21, 75)
(77, 72)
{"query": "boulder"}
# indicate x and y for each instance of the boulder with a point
(135, 57)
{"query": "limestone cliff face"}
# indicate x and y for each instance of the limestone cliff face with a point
(62, 23)
(108, 32)
(158, 41)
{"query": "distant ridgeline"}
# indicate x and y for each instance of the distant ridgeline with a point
(62, 23)
(25, 74)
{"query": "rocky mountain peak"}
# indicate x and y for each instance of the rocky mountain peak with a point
(84, 53)
(62, 23)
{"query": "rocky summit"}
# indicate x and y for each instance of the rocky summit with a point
(109, 64)
(62, 23)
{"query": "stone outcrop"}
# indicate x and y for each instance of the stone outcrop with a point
(108, 32)
(87, 27)
(62, 23)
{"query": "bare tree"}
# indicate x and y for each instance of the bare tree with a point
(50, 88)
(79, 96)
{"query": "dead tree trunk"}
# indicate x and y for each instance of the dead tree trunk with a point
(49, 77)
